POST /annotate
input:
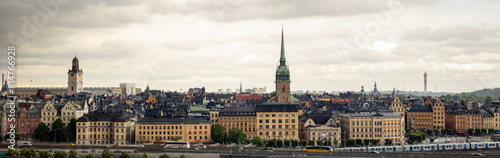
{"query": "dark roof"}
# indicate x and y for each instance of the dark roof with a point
(420, 108)
(276, 107)
(319, 119)
(368, 114)
(237, 111)
(173, 120)
(104, 116)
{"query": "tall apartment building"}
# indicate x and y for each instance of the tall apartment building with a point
(380, 125)
(239, 117)
(105, 128)
(277, 121)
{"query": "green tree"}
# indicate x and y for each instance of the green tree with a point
(388, 141)
(58, 129)
(470, 131)
(16, 136)
(366, 142)
(287, 142)
(28, 152)
(12, 152)
(375, 141)
(359, 142)
(42, 132)
(60, 154)
(89, 156)
(311, 142)
(402, 97)
(477, 131)
(351, 142)
(488, 99)
(124, 155)
(258, 141)
(106, 154)
(183, 156)
(295, 143)
(491, 131)
(279, 143)
(164, 156)
(144, 155)
(303, 142)
(236, 135)
(270, 143)
(328, 143)
(319, 142)
(218, 133)
(443, 131)
(483, 130)
(73, 154)
(451, 132)
(44, 154)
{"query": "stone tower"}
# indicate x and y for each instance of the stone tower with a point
(75, 78)
(282, 76)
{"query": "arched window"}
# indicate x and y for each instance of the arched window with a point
(283, 88)
(71, 88)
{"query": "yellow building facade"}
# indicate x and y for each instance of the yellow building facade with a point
(185, 129)
(239, 117)
(104, 128)
(277, 121)
(373, 125)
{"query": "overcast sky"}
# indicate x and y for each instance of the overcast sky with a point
(330, 45)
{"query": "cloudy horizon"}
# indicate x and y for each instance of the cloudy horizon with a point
(329, 45)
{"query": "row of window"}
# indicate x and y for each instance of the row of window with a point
(238, 123)
(232, 118)
(274, 115)
(99, 124)
(274, 127)
(101, 130)
(274, 133)
(279, 121)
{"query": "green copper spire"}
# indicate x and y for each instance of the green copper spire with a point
(282, 58)
(282, 72)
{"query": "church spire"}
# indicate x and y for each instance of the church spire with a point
(282, 57)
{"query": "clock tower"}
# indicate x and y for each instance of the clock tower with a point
(75, 83)
(282, 76)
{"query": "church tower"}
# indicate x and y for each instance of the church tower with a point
(282, 76)
(75, 78)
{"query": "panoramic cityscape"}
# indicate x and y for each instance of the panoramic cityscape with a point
(250, 79)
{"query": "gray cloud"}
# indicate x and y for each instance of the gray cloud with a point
(217, 44)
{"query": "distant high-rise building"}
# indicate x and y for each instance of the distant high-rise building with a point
(282, 76)
(220, 91)
(425, 82)
(75, 83)
(229, 90)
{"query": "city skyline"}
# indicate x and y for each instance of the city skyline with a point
(217, 44)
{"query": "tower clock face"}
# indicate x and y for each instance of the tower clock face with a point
(72, 74)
